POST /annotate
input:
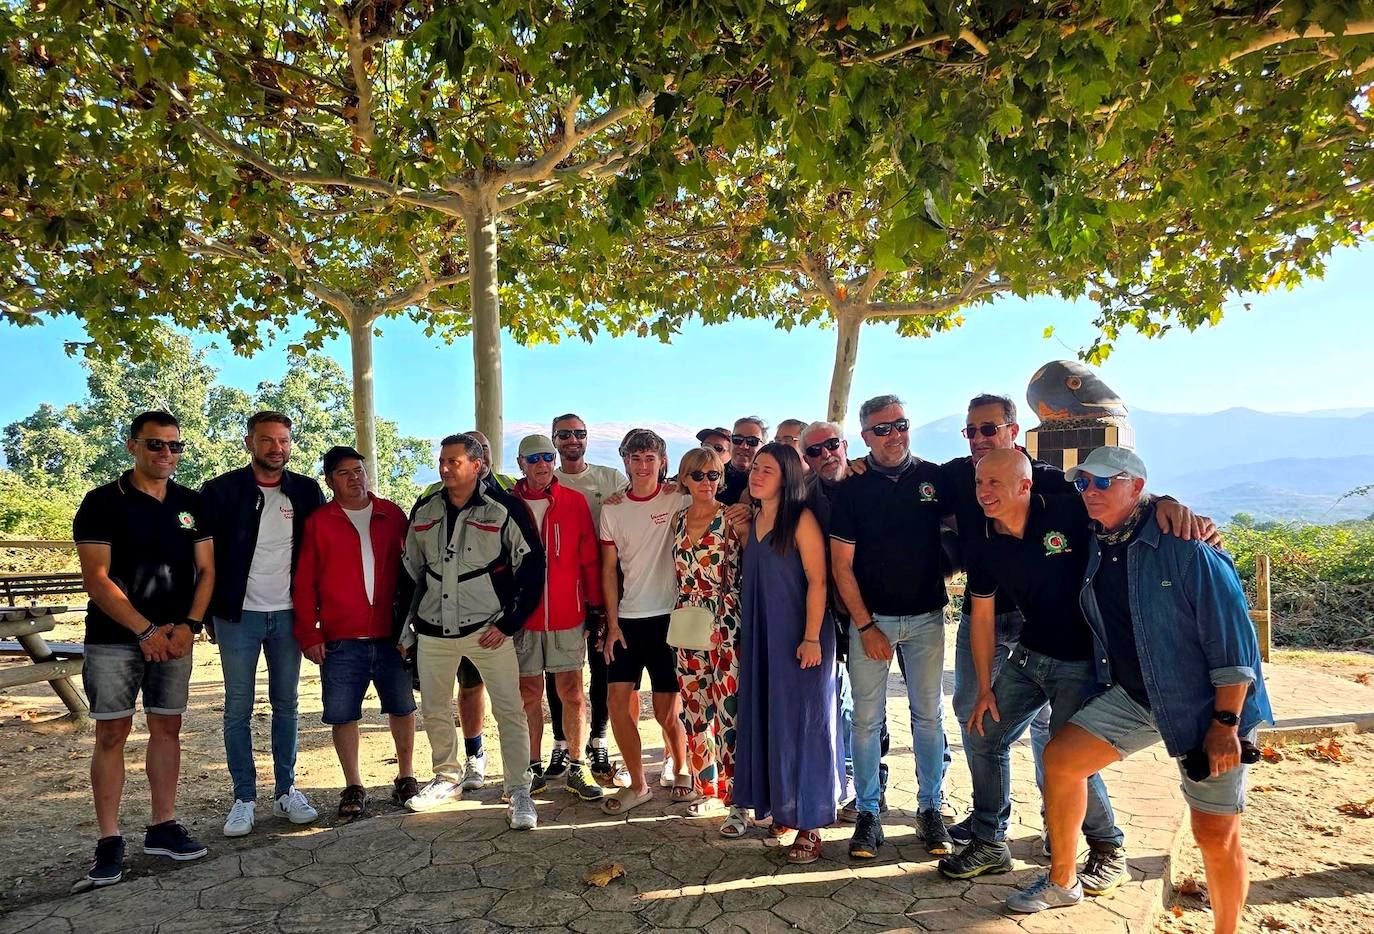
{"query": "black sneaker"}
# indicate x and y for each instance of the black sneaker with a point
(599, 761)
(537, 782)
(1104, 869)
(170, 839)
(962, 832)
(935, 834)
(558, 763)
(868, 836)
(108, 866)
(978, 858)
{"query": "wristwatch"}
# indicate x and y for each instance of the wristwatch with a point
(194, 625)
(1225, 718)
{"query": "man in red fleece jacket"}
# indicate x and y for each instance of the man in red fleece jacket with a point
(554, 638)
(344, 591)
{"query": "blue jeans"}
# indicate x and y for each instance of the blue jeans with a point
(240, 644)
(1027, 681)
(1008, 633)
(847, 731)
(920, 640)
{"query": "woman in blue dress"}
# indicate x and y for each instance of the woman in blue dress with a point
(789, 759)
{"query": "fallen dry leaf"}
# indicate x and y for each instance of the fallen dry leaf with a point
(1270, 923)
(1329, 750)
(1357, 808)
(601, 874)
(1177, 911)
(1192, 887)
(1270, 754)
(1365, 677)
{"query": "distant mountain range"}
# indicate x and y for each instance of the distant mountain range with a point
(1273, 466)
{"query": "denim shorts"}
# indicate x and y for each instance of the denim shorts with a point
(1116, 718)
(350, 665)
(113, 675)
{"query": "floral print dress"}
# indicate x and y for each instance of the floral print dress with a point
(708, 576)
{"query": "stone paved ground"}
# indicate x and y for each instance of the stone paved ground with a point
(462, 870)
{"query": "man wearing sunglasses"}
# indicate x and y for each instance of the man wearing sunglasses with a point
(147, 561)
(885, 550)
(554, 639)
(789, 432)
(259, 513)
(745, 438)
(1182, 666)
(595, 482)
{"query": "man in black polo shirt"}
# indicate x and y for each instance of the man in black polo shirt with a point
(1032, 549)
(885, 551)
(749, 432)
(148, 563)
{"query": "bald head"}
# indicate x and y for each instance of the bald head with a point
(1004, 484)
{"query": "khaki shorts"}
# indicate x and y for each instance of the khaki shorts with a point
(538, 652)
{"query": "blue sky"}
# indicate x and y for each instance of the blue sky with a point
(1293, 351)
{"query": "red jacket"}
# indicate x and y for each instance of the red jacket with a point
(573, 579)
(328, 592)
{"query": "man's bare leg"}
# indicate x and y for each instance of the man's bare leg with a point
(472, 704)
(346, 742)
(107, 772)
(163, 764)
(1228, 875)
(403, 736)
(668, 713)
(569, 687)
(623, 701)
(1072, 756)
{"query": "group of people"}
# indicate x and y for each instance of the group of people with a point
(764, 588)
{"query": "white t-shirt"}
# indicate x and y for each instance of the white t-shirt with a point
(269, 576)
(642, 532)
(537, 507)
(362, 521)
(595, 484)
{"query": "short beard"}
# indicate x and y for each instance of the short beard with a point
(257, 462)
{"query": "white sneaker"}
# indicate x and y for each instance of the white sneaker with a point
(294, 808)
(668, 777)
(438, 790)
(240, 820)
(475, 772)
(521, 814)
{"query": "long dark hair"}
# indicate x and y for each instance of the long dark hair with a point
(791, 496)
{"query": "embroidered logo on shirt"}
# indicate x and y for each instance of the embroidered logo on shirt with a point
(288, 512)
(659, 518)
(926, 492)
(1056, 543)
(186, 521)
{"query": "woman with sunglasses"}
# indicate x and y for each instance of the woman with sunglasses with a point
(706, 552)
(789, 756)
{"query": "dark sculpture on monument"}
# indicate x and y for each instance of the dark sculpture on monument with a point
(1078, 412)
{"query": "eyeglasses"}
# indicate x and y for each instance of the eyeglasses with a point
(718, 448)
(700, 475)
(829, 444)
(544, 456)
(987, 429)
(1083, 481)
(883, 429)
(786, 439)
(157, 444)
(749, 440)
(563, 434)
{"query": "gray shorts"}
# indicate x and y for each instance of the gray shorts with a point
(538, 652)
(113, 675)
(1114, 717)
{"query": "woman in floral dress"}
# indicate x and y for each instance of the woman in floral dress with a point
(706, 554)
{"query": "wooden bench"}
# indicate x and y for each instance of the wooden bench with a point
(25, 625)
(30, 588)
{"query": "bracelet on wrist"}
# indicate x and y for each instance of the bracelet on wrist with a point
(148, 633)
(811, 641)
(866, 627)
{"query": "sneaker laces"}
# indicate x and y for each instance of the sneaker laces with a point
(242, 810)
(294, 799)
(1039, 886)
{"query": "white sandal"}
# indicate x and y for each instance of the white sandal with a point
(704, 807)
(736, 823)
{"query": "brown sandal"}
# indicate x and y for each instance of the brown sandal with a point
(805, 849)
(353, 801)
(777, 830)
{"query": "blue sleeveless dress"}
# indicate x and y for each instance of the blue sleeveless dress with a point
(789, 757)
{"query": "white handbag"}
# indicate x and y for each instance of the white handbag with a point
(691, 627)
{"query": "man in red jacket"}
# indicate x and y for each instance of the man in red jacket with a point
(343, 593)
(554, 638)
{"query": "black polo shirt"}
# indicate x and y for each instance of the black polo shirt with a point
(962, 496)
(732, 485)
(1042, 574)
(152, 551)
(894, 526)
(1111, 587)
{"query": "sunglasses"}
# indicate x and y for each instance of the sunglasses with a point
(1083, 481)
(749, 440)
(563, 434)
(157, 444)
(987, 430)
(829, 444)
(883, 429)
(700, 475)
(545, 456)
(718, 448)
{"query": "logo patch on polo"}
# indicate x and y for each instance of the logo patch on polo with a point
(1056, 543)
(186, 521)
(926, 492)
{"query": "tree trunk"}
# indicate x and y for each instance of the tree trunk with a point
(847, 325)
(364, 402)
(484, 284)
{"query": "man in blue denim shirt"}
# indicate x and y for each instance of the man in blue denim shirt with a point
(1184, 668)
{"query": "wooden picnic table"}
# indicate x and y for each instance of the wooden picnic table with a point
(57, 666)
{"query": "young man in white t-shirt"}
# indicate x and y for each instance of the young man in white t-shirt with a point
(595, 483)
(637, 537)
